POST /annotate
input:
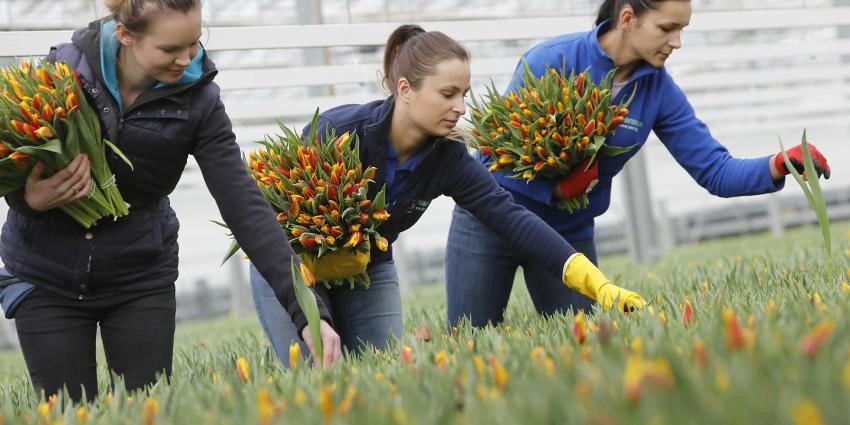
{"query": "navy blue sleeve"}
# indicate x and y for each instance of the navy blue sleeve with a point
(475, 190)
(705, 159)
(245, 210)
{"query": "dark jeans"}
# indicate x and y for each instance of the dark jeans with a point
(58, 336)
(480, 269)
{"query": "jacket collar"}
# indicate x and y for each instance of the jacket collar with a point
(373, 141)
(601, 61)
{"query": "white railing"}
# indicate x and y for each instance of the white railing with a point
(33, 43)
(264, 111)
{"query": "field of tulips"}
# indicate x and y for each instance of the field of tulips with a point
(743, 330)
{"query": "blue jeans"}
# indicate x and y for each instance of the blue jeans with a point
(361, 316)
(480, 269)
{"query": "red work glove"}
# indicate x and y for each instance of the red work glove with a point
(579, 181)
(795, 155)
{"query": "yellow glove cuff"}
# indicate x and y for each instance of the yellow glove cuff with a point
(580, 274)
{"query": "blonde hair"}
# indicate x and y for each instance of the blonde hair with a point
(135, 14)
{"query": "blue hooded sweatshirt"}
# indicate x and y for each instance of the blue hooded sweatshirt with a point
(659, 105)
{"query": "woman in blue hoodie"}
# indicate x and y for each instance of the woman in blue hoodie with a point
(145, 73)
(409, 138)
(636, 37)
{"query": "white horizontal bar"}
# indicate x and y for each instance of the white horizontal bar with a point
(36, 43)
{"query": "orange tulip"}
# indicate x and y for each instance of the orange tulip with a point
(811, 343)
(407, 355)
(307, 275)
(307, 242)
(243, 369)
(18, 126)
(47, 113)
(589, 128)
(354, 240)
(579, 330)
(44, 132)
(382, 243)
(615, 122)
(688, 313)
(381, 215)
(734, 334)
(44, 76)
(71, 101)
(500, 374)
(17, 88)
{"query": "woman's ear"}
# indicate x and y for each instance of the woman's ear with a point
(627, 19)
(404, 90)
(123, 34)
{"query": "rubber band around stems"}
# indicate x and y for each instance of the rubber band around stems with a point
(110, 182)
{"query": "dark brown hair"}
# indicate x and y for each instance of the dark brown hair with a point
(135, 14)
(610, 9)
(413, 53)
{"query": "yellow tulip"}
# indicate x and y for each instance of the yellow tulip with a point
(294, 355)
(243, 368)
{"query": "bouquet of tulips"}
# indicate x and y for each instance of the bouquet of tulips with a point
(549, 127)
(44, 117)
(319, 192)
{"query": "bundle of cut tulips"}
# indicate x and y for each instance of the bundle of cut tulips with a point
(319, 192)
(549, 127)
(44, 117)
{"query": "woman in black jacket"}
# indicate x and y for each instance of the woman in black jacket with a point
(143, 69)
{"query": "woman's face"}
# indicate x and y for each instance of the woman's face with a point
(438, 103)
(167, 48)
(655, 34)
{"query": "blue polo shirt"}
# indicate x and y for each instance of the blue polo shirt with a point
(397, 174)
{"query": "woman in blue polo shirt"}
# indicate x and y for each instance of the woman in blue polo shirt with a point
(635, 37)
(409, 138)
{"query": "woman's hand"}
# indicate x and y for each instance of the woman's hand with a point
(778, 170)
(330, 342)
(69, 184)
(583, 276)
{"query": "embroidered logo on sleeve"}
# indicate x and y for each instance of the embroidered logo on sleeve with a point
(418, 205)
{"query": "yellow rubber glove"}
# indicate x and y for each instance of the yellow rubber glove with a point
(580, 274)
(339, 264)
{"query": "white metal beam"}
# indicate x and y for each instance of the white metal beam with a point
(36, 43)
